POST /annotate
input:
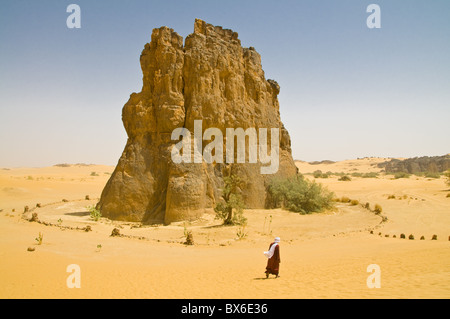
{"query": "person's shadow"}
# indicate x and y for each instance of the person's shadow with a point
(264, 278)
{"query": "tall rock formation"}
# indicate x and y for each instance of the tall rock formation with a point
(211, 78)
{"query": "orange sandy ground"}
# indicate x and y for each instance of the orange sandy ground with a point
(323, 255)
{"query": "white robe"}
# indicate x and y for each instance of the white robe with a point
(271, 251)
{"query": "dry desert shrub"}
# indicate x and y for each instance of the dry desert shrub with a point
(378, 209)
(354, 202)
(34, 217)
(447, 174)
(401, 175)
(345, 199)
(370, 175)
(189, 238)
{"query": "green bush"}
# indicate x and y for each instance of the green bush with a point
(370, 175)
(317, 174)
(232, 208)
(299, 195)
(345, 178)
(339, 173)
(401, 175)
(94, 213)
(432, 175)
(447, 174)
(357, 174)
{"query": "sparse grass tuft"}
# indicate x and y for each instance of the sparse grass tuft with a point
(40, 238)
(241, 233)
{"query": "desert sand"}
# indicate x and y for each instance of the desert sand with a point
(323, 255)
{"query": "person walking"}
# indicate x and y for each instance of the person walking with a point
(273, 254)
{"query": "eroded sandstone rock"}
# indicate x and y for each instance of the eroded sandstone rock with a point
(210, 78)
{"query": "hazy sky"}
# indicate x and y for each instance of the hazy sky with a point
(347, 91)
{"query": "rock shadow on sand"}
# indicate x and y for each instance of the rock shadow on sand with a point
(78, 214)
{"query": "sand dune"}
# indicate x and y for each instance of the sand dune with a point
(323, 255)
(363, 165)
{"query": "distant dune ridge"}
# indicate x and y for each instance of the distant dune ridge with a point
(211, 78)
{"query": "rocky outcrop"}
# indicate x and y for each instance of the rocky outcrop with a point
(210, 78)
(432, 164)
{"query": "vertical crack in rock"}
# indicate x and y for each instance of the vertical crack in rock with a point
(213, 79)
